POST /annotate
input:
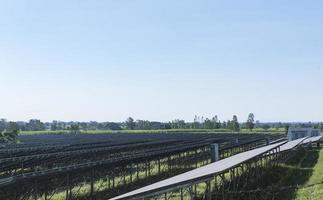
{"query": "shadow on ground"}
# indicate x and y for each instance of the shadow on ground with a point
(277, 182)
(296, 171)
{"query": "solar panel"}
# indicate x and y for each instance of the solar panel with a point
(312, 139)
(202, 172)
(292, 144)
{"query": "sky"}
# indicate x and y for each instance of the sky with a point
(105, 60)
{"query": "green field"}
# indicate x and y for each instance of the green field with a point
(313, 187)
(299, 179)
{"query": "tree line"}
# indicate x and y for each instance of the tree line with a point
(9, 128)
(199, 122)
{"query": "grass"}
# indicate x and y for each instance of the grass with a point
(303, 170)
(314, 192)
(258, 130)
(104, 193)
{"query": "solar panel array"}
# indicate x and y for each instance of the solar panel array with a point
(201, 172)
(52, 156)
(216, 167)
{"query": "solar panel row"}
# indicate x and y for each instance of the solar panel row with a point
(202, 172)
(216, 167)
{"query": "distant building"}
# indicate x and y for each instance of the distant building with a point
(295, 133)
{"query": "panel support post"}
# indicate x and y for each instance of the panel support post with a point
(137, 168)
(215, 152)
(158, 165)
(67, 185)
(131, 173)
(209, 192)
(109, 183)
(182, 194)
(113, 182)
(36, 190)
(92, 185)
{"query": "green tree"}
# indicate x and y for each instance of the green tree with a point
(75, 128)
(196, 123)
(234, 124)
(178, 124)
(35, 125)
(224, 125)
(208, 124)
(9, 133)
(3, 124)
(250, 122)
(130, 123)
(53, 126)
(216, 122)
(266, 126)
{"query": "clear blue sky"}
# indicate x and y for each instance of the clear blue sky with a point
(161, 60)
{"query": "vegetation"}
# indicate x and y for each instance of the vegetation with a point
(258, 130)
(234, 124)
(8, 131)
(313, 187)
(301, 178)
(250, 122)
(74, 128)
(199, 124)
(130, 123)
